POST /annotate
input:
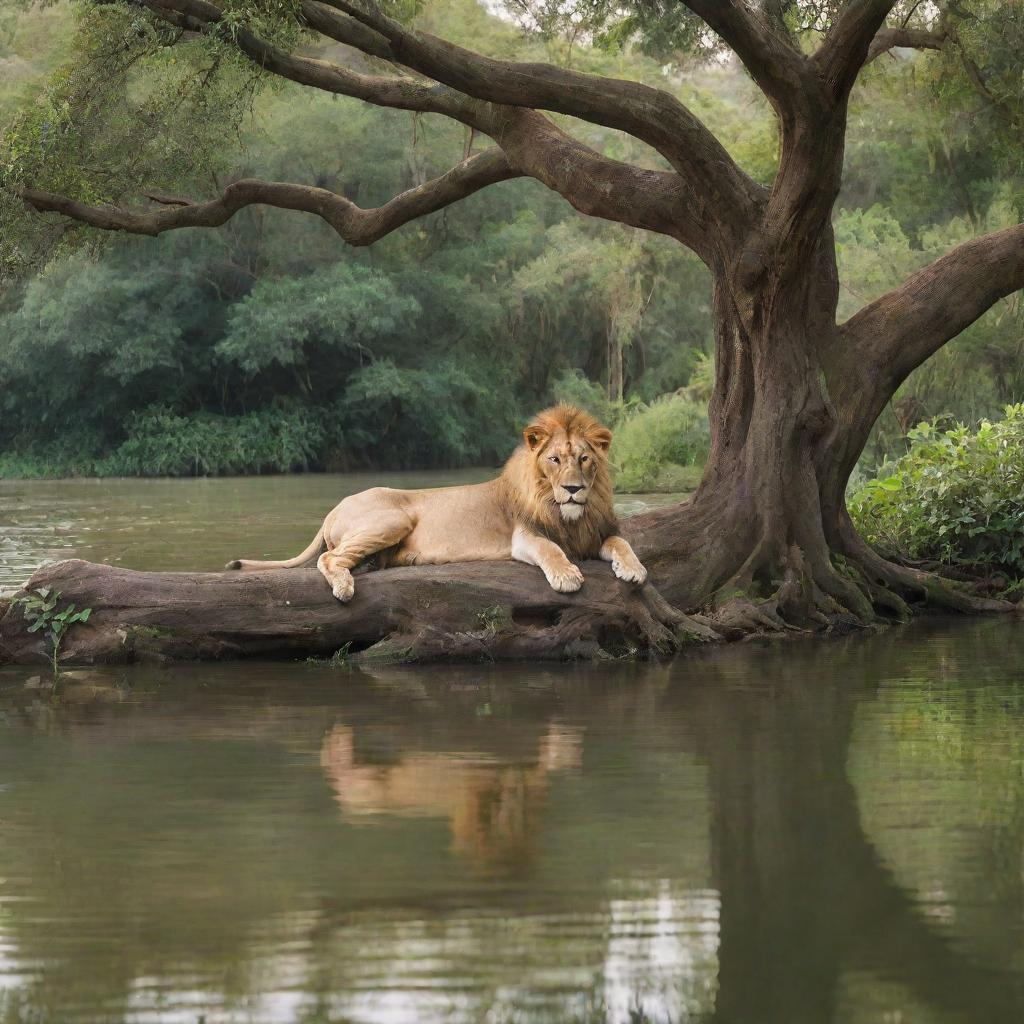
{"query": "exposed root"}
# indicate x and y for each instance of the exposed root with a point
(883, 597)
(804, 597)
(640, 623)
(894, 582)
(743, 616)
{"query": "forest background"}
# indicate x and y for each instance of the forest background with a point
(269, 346)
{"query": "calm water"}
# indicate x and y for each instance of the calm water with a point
(795, 835)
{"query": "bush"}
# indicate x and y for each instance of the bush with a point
(955, 498)
(160, 443)
(662, 446)
(448, 415)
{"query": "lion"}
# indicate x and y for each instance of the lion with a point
(550, 507)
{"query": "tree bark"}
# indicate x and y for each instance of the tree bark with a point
(477, 611)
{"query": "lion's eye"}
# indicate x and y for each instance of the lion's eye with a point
(583, 458)
(554, 459)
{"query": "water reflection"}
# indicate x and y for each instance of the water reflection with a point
(737, 838)
(492, 806)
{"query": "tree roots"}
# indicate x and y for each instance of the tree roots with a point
(854, 589)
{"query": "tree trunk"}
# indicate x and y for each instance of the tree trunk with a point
(615, 374)
(767, 544)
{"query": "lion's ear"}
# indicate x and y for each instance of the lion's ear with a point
(534, 436)
(600, 438)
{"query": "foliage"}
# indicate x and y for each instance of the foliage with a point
(573, 387)
(163, 444)
(288, 322)
(41, 611)
(957, 497)
(653, 446)
(194, 351)
(447, 414)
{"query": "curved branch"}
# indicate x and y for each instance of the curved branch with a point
(601, 187)
(651, 115)
(345, 29)
(899, 331)
(763, 45)
(904, 38)
(848, 43)
(403, 93)
(355, 225)
(656, 200)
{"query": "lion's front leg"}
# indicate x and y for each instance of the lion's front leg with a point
(625, 564)
(549, 557)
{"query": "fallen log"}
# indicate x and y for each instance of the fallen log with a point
(477, 611)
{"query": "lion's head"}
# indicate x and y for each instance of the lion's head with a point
(559, 480)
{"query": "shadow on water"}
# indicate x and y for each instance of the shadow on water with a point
(678, 842)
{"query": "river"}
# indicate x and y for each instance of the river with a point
(806, 833)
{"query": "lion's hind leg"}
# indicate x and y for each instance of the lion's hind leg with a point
(357, 543)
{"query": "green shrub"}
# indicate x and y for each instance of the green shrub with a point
(448, 415)
(161, 443)
(956, 497)
(662, 446)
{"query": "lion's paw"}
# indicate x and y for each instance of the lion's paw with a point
(343, 589)
(566, 581)
(631, 571)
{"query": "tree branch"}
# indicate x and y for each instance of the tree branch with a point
(345, 29)
(906, 38)
(899, 331)
(978, 83)
(847, 45)
(763, 45)
(403, 93)
(355, 225)
(601, 187)
(698, 214)
(651, 115)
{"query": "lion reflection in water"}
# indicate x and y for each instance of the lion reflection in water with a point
(492, 805)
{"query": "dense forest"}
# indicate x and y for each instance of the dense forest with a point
(270, 346)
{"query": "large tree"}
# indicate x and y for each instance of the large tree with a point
(766, 541)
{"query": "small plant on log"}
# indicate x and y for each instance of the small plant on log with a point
(41, 611)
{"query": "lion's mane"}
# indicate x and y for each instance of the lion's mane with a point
(527, 494)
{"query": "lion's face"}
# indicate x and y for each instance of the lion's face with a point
(568, 463)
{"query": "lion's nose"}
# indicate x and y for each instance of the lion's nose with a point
(572, 488)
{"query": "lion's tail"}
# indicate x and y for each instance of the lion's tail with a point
(316, 547)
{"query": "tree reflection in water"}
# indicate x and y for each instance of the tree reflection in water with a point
(507, 844)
